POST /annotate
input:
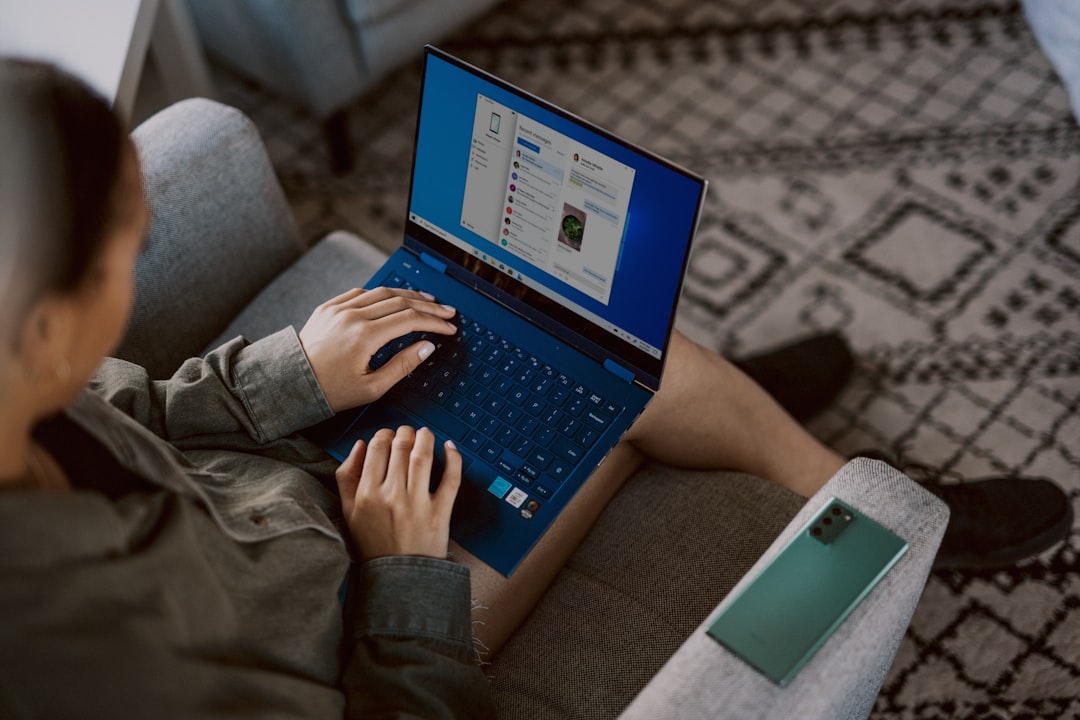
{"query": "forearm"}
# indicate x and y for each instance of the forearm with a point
(409, 627)
(265, 390)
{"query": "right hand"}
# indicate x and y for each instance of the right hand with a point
(344, 332)
(386, 496)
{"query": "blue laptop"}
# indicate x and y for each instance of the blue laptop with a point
(563, 248)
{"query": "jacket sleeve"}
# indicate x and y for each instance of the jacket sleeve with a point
(409, 650)
(265, 390)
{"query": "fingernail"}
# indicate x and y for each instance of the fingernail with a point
(426, 349)
(427, 295)
(451, 308)
(450, 444)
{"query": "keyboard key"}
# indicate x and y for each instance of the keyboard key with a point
(544, 436)
(517, 395)
(457, 405)
(575, 405)
(551, 416)
(587, 436)
(597, 419)
(568, 426)
(505, 467)
(488, 426)
(539, 458)
(476, 393)
(530, 472)
(612, 409)
(524, 479)
(559, 470)
(596, 400)
(568, 449)
(535, 406)
(493, 404)
(521, 446)
(581, 391)
(490, 452)
(527, 424)
(543, 491)
(558, 395)
(505, 435)
(540, 384)
(472, 415)
(474, 441)
(508, 365)
(510, 414)
(502, 386)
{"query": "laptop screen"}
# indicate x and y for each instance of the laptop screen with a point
(564, 222)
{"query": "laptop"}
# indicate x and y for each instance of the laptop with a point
(564, 249)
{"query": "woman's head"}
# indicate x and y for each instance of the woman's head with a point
(73, 219)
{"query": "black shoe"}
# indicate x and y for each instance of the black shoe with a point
(804, 376)
(994, 522)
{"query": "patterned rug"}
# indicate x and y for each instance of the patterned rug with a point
(905, 172)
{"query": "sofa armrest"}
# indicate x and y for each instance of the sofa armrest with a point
(705, 680)
(221, 230)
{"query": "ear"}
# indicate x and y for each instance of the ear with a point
(46, 334)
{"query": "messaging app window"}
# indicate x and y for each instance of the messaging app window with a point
(556, 203)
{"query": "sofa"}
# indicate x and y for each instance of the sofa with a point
(621, 630)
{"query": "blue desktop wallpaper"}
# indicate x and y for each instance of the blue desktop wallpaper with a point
(662, 210)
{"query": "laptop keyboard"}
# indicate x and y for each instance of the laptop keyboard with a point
(518, 413)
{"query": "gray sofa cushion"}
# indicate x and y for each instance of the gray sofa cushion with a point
(667, 549)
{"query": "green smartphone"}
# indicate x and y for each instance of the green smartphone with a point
(787, 612)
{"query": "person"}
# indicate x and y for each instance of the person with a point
(174, 547)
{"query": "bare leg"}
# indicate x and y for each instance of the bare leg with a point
(708, 414)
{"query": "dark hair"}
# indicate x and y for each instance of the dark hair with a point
(87, 147)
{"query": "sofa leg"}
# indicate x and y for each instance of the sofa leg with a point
(337, 137)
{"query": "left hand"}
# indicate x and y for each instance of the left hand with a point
(343, 333)
(386, 497)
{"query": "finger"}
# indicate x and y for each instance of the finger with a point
(420, 461)
(392, 306)
(397, 471)
(380, 295)
(375, 461)
(451, 481)
(412, 320)
(346, 297)
(396, 368)
(348, 476)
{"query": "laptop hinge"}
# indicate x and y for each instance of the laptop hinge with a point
(618, 371)
(432, 262)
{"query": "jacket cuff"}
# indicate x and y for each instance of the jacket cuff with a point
(278, 386)
(413, 597)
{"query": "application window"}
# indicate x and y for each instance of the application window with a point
(546, 198)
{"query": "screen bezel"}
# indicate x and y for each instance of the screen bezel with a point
(583, 334)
